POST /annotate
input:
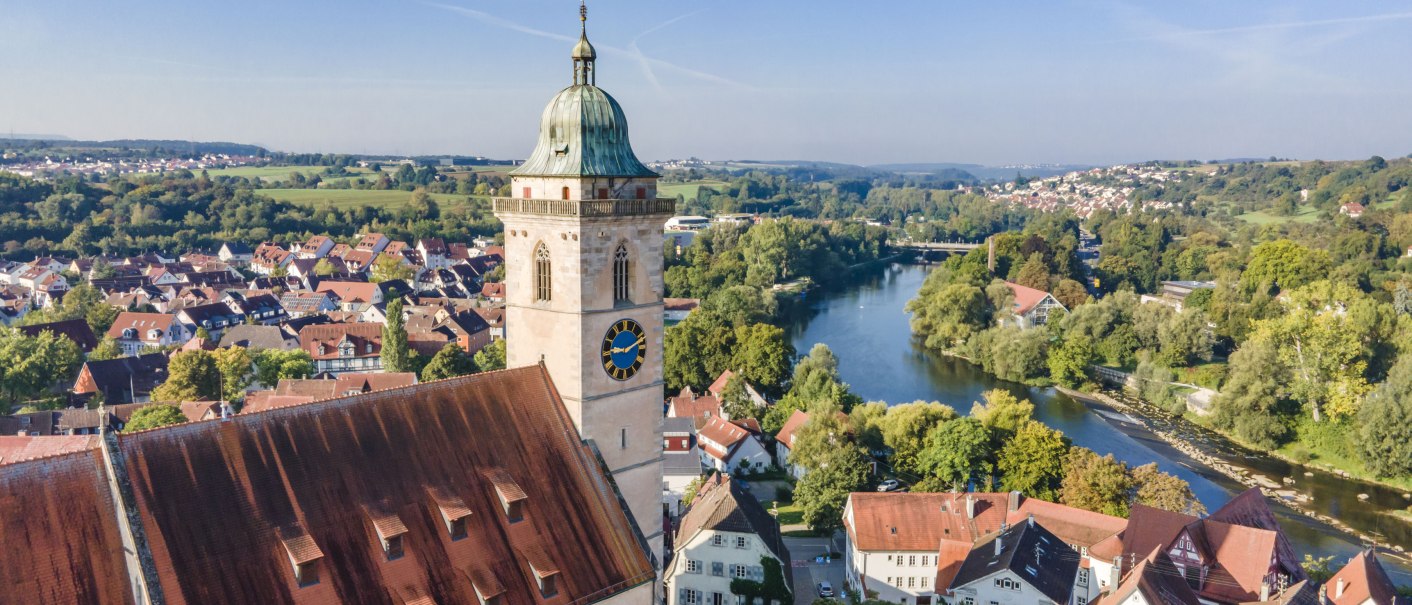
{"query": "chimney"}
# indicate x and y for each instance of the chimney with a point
(1031, 520)
(1014, 501)
(226, 410)
(1338, 589)
(1115, 575)
(970, 507)
(990, 258)
(1264, 590)
(999, 546)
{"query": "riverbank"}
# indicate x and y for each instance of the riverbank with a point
(1280, 490)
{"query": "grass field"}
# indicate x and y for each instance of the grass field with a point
(686, 190)
(280, 173)
(1306, 214)
(353, 198)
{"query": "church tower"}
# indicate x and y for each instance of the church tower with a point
(583, 252)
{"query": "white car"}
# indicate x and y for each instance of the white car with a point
(825, 590)
(890, 485)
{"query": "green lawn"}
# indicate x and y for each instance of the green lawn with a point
(353, 198)
(1306, 214)
(686, 190)
(280, 173)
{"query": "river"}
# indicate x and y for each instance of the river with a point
(867, 328)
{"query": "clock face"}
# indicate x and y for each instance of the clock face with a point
(624, 348)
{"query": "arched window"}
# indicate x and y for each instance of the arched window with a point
(566, 193)
(542, 291)
(621, 274)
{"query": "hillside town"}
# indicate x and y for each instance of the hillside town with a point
(1084, 192)
(99, 166)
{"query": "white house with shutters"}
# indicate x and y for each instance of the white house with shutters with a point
(725, 535)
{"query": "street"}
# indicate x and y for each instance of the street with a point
(808, 574)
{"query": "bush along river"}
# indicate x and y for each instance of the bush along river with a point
(868, 329)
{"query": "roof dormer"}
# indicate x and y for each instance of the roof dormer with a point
(453, 509)
(389, 529)
(305, 557)
(512, 497)
(543, 570)
(488, 588)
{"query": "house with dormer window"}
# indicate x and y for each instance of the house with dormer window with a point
(342, 348)
(135, 331)
(725, 535)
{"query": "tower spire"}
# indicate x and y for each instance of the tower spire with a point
(584, 54)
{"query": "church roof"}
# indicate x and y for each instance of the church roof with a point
(228, 506)
(584, 132)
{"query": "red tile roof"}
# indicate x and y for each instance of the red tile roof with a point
(350, 291)
(796, 420)
(920, 521)
(1025, 297)
(321, 341)
(14, 449)
(688, 405)
(1072, 525)
(493, 290)
(720, 437)
(214, 530)
(681, 304)
(60, 534)
(1363, 578)
(141, 322)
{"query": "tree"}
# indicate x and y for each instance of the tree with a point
(772, 590)
(491, 357)
(1322, 337)
(1284, 265)
(1184, 339)
(396, 354)
(1070, 293)
(237, 371)
(1100, 484)
(1319, 569)
(324, 268)
(1034, 273)
(1167, 492)
(956, 451)
(1002, 414)
(949, 317)
(823, 491)
(1069, 362)
(390, 267)
(905, 429)
(1033, 461)
(1251, 402)
(736, 401)
(31, 365)
(763, 356)
(1385, 424)
(825, 432)
(273, 365)
(107, 348)
(449, 362)
(154, 416)
(191, 376)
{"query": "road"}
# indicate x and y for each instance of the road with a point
(808, 573)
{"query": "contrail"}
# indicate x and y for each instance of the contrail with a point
(1273, 26)
(647, 62)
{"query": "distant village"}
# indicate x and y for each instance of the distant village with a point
(315, 296)
(1084, 192)
(93, 165)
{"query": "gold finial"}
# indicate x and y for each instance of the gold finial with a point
(583, 13)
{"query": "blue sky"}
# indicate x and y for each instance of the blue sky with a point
(850, 81)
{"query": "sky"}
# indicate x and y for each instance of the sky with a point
(901, 81)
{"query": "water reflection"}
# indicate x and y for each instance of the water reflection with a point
(867, 328)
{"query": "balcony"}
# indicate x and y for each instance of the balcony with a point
(585, 208)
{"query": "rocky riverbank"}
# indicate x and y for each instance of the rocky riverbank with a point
(1276, 488)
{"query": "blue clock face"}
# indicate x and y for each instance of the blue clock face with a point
(624, 349)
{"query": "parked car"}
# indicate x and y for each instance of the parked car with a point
(890, 485)
(825, 590)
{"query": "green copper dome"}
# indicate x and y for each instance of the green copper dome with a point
(583, 133)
